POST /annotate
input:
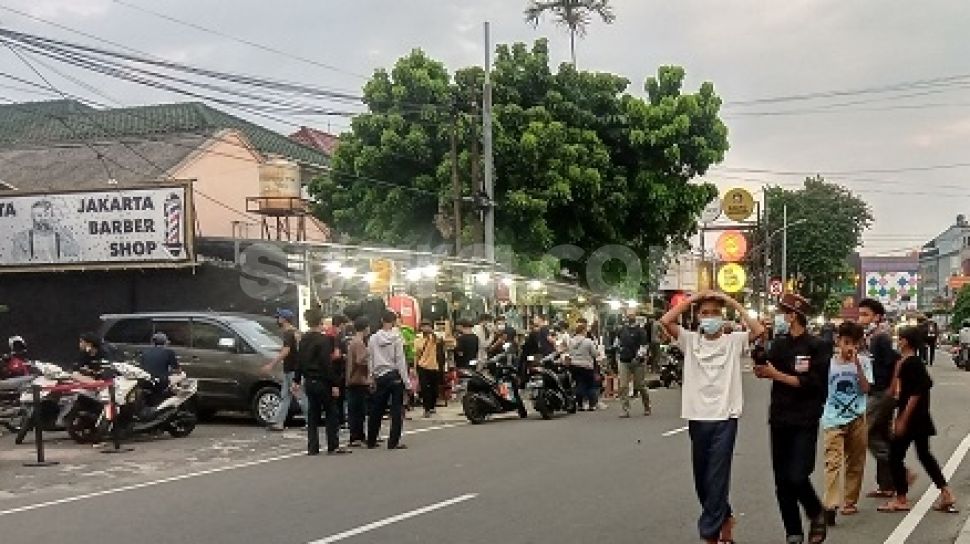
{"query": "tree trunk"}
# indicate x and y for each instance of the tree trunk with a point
(572, 45)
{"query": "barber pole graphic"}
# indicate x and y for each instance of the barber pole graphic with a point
(173, 224)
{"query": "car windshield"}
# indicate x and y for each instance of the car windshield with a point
(260, 333)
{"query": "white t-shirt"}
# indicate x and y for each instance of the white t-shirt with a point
(712, 375)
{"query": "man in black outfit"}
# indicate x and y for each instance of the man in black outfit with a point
(466, 347)
(881, 405)
(315, 368)
(799, 370)
(159, 361)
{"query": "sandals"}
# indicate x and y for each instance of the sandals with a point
(880, 494)
(817, 530)
(893, 507)
(850, 509)
(948, 507)
(728, 527)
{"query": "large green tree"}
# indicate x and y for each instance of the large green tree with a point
(578, 160)
(961, 308)
(826, 225)
(575, 15)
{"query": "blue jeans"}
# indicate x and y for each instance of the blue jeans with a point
(712, 450)
(286, 396)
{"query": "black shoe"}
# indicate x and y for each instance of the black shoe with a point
(339, 451)
(398, 447)
(830, 518)
(311, 453)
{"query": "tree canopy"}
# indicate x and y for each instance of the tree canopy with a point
(575, 15)
(826, 225)
(578, 159)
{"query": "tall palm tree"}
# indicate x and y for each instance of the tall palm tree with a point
(576, 15)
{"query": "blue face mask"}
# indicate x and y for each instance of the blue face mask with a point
(712, 325)
(781, 325)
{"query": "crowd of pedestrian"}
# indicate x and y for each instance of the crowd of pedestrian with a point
(860, 390)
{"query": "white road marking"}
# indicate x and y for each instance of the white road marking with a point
(143, 485)
(675, 431)
(912, 519)
(394, 519)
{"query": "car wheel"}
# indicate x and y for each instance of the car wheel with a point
(266, 405)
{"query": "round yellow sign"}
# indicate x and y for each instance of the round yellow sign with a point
(738, 204)
(731, 278)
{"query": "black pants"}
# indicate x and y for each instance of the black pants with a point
(897, 459)
(389, 389)
(357, 397)
(793, 460)
(429, 381)
(320, 400)
(931, 349)
(879, 416)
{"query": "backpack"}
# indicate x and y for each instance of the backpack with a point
(630, 339)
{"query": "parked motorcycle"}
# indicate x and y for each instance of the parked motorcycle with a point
(140, 408)
(495, 394)
(56, 409)
(671, 366)
(551, 387)
(959, 354)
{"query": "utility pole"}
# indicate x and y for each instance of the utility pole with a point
(455, 183)
(767, 251)
(476, 160)
(784, 248)
(487, 144)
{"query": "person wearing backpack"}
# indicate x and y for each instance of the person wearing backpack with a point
(631, 339)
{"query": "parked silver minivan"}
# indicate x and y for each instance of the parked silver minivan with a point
(225, 352)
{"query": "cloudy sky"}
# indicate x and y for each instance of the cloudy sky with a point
(903, 148)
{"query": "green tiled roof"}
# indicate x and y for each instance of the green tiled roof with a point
(69, 121)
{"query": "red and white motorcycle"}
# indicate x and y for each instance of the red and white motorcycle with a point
(141, 406)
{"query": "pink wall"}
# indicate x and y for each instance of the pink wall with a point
(226, 173)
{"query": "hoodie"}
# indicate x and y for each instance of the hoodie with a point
(386, 350)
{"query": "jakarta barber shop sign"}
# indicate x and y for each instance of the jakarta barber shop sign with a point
(117, 227)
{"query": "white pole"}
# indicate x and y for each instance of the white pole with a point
(487, 145)
(784, 247)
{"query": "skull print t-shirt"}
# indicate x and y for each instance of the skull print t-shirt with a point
(845, 401)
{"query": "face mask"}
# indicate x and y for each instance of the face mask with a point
(711, 325)
(781, 325)
(870, 327)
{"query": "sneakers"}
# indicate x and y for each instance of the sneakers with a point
(427, 414)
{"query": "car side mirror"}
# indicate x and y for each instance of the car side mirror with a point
(227, 344)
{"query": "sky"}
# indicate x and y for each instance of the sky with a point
(903, 152)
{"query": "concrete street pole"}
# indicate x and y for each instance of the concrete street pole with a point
(784, 248)
(487, 144)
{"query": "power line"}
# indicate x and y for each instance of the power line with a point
(241, 40)
(889, 88)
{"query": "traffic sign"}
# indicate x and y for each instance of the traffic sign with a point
(731, 278)
(711, 212)
(777, 288)
(738, 204)
(732, 246)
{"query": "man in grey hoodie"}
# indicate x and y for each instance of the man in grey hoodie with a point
(389, 372)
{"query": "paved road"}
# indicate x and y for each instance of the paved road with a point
(584, 478)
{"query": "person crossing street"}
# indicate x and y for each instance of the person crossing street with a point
(632, 340)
